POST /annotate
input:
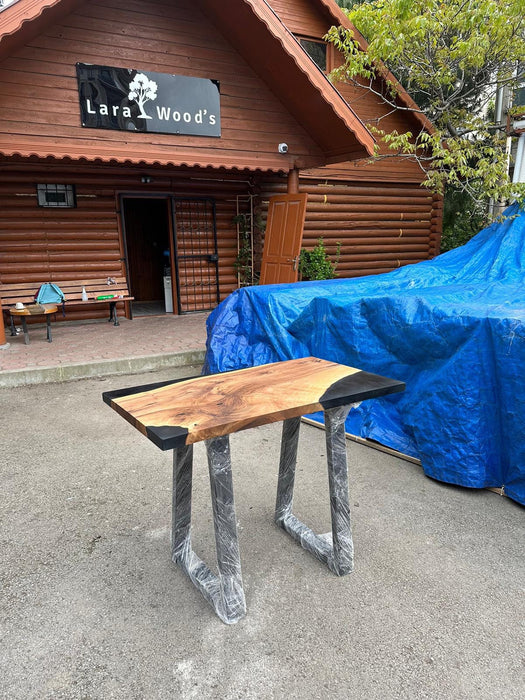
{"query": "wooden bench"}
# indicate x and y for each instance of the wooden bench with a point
(176, 414)
(114, 287)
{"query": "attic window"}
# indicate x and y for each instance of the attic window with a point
(316, 50)
(56, 196)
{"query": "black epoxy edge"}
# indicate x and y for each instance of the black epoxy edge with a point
(167, 437)
(359, 387)
(109, 396)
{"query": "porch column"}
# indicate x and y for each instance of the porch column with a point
(3, 342)
(293, 181)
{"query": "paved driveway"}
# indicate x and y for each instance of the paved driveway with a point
(92, 607)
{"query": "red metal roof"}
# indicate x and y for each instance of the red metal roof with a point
(14, 16)
(24, 18)
(29, 147)
(262, 40)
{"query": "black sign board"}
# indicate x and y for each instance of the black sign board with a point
(131, 100)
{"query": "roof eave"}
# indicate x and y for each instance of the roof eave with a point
(21, 21)
(163, 156)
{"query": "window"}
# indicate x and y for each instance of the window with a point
(316, 50)
(56, 196)
(519, 97)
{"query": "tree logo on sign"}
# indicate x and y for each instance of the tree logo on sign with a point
(142, 89)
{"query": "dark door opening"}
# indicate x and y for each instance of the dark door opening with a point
(147, 231)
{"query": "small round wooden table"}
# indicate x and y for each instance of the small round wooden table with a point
(33, 310)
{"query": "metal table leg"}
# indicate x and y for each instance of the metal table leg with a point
(289, 442)
(224, 592)
(181, 505)
(231, 605)
(48, 324)
(342, 560)
(113, 313)
(26, 332)
(335, 549)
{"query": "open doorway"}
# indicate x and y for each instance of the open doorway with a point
(147, 230)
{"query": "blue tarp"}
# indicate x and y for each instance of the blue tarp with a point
(452, 328)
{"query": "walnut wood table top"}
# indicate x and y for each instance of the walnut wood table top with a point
(182, 412)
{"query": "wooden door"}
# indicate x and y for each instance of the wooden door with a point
(283, 238)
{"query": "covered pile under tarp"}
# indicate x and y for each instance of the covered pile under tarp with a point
(452, 328)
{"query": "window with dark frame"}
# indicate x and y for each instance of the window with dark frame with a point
(316, 50)
(56, 196)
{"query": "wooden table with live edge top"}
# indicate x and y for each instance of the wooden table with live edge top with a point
(33, 310)
(176, 414)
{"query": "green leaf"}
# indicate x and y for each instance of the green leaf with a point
(448, 54)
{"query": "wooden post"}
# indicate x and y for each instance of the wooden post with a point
(3, 341)
(293, 181)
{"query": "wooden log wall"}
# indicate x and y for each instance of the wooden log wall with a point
(41, 244)
(380, 226)
(376, 208)
(437, 225)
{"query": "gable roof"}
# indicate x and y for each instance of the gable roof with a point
(265, 44)
(296, 79)
(340, 18)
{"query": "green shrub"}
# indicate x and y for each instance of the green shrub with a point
(316, 265)
(462, 219)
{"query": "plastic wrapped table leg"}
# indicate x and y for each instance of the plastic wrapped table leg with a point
(335, 549)
(224, 592)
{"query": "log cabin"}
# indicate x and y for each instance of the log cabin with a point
(143, 139)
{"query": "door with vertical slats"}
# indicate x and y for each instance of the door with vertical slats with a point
(195, 252)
